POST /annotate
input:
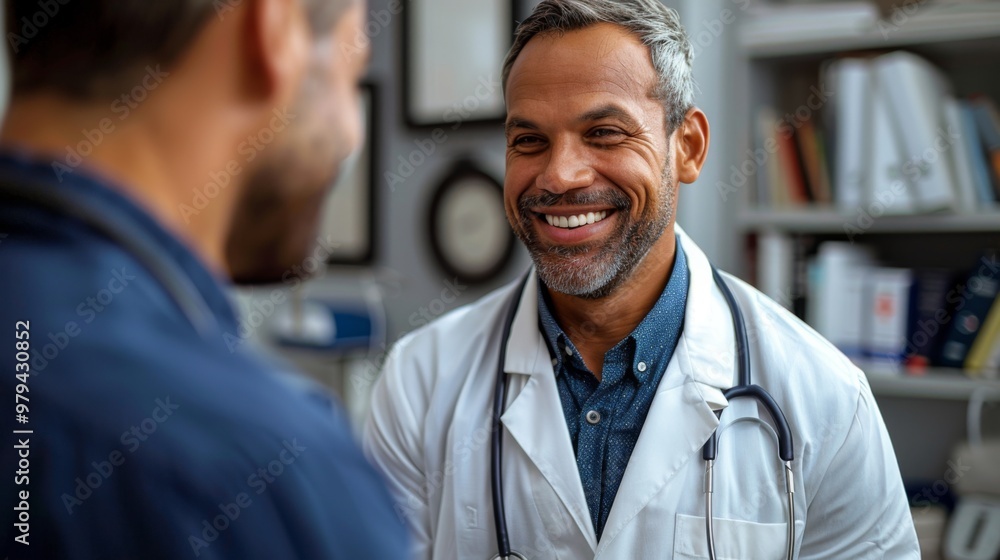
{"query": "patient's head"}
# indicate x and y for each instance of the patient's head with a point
(259, 97)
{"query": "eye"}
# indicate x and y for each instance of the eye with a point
(606, 134)
(526, 141)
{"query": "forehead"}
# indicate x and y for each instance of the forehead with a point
(598, 61)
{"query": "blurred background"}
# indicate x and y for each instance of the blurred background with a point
(854, 177)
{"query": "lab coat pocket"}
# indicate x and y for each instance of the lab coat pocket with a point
(734, 539)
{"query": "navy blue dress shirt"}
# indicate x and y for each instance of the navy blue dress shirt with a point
(605, 417)
(147, 440)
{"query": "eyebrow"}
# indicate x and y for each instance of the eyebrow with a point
(609, 111)
(517, 122)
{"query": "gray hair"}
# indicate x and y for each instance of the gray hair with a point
(655, 25)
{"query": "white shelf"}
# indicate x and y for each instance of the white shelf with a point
(830, 221)
(943, 28)
(937, 384)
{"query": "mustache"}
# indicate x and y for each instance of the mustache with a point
(614, 198)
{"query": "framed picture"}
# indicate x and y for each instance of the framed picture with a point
(469, 233)
(348, 217)
(452, 55)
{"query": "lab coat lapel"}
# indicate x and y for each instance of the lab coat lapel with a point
(681, 417)
(534, 416)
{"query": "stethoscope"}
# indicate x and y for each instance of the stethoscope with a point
(138, 244)
(744, 388)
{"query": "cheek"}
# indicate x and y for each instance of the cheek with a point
(635, 178)
(518, 179)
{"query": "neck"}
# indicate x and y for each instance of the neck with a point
(597, 325)
(137, 156)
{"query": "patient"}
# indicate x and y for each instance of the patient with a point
(154, 153)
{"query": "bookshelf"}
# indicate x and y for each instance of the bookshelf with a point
(782, 71)
(925, 413)
(936, 384)
(941, 35)
(826, 221)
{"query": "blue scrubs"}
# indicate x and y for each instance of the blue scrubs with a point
(143, 439)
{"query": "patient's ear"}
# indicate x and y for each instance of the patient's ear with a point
(691, 140)
(277, 54)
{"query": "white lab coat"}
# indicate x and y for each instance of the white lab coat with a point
(429, 432)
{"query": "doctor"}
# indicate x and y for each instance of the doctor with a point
(621, 345)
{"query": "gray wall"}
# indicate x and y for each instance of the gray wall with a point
(403, 249)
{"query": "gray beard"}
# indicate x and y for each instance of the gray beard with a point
(570, 270)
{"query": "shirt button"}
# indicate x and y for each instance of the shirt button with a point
(593, 417)
(641, 366)
(554, 362)
(569, 351)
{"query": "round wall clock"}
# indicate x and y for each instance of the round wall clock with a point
(469, 233)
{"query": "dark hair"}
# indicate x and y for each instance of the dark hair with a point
(99, 48)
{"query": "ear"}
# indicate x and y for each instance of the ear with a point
(278, 42)
(691, 138)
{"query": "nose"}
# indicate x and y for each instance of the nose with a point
(567, 169)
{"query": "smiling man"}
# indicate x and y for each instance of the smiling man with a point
(621, 346)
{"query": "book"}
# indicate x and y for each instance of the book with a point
(814, 162)
(851, 79)
(975, 151)
(961, 163)
(978, 294)
(885, 314)
(927, 316)
(791, 167)
(886, 185)
(842, 269)
(984, 347)
(988, 124)
(917, 89)
(773, 181)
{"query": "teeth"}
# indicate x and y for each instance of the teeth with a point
(575, 221)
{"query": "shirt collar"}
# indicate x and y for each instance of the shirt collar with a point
(651, 342)
(21, 166)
